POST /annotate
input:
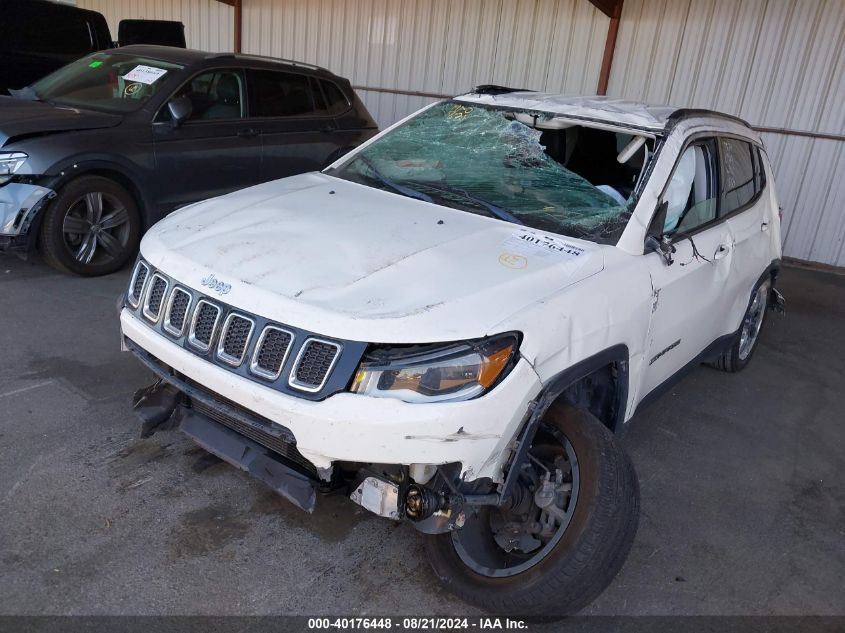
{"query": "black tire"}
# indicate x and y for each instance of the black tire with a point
(737, 357)
(92, 227)
(590, 551)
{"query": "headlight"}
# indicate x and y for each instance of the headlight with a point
(10, 162)
(436, 374)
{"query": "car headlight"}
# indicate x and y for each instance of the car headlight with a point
(10, 162)
(458, 371)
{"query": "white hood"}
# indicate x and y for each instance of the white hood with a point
(353, 262)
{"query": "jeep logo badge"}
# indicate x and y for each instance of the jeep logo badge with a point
(216, 285)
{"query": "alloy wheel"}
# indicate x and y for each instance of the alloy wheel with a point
(96, 228)
(752, 322)
(498, 542)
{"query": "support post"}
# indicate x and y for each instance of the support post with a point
(238, 24)
(609, 48)
(237, 6)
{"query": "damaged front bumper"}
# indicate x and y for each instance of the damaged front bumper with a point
(20, 204)
(166, 404)
(354, 428)
(299, 446)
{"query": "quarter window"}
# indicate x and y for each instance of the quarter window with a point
(740, 177)
(281, 94)
(336, 101)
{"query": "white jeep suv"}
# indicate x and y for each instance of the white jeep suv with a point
(456, 321)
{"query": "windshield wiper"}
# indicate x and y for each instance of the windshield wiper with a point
(499, 212)
(405, 191)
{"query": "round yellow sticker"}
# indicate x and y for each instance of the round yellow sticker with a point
(513, 261)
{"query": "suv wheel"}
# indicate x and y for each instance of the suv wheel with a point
(91, 228)
(739, 354)
(564, 543)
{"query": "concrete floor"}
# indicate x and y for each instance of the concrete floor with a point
(741, 477)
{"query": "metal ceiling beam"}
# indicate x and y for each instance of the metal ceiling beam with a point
(608, 7)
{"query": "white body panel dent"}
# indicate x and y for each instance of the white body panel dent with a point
(569, 326)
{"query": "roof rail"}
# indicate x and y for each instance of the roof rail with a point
(683, 113)
(264, 58)
(493, 89)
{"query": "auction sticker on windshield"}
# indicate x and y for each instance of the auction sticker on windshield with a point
(144, 74)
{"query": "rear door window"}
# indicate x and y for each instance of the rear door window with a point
(281, 94)
(740, 178)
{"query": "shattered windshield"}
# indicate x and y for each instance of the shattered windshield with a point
(488, 162)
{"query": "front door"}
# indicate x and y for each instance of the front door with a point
(692, 295)
(215, 150)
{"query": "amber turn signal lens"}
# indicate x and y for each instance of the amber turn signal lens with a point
(493, 365)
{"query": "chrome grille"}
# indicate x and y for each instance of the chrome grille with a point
(204, 325)
(291, 360)
(137, 284)
(236, 332)
(155, 297)
(316, 359)
(177, 311)
(271, 352)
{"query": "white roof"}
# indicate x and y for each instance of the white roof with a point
(614, 111)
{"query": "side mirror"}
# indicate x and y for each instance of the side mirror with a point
(180, 109)
(655, 240)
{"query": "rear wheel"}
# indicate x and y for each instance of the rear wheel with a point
(562, 545)
(91, 228)
(739, 354)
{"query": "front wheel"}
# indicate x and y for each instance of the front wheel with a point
(558, 549)
(92, 227)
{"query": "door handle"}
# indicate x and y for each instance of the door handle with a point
(764, 226)
(328, 129)
(722, 251)
(248, 133)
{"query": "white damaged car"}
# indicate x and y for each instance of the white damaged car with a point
(455, 322)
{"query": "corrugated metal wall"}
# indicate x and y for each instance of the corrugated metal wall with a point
(208, 23)
(777, 64)
(433, 46)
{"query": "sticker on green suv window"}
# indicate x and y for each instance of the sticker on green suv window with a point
(95, 64)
